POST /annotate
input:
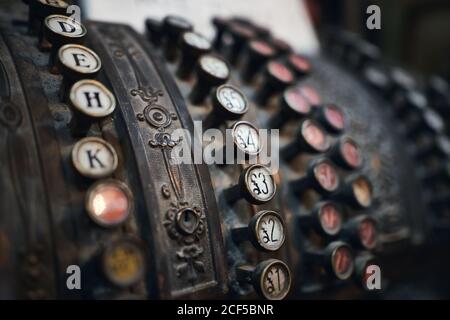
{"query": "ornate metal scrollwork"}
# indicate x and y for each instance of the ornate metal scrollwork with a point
(191, 265)
(185, 224)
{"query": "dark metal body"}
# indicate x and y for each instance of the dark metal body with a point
(43, 226)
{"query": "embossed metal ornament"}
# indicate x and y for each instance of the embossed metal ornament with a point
(185, 224)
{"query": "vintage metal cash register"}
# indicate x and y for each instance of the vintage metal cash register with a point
(330, 162)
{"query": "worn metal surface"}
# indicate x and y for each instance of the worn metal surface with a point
(43, 224)
(192, 262)
(370, 122)
(55, 220)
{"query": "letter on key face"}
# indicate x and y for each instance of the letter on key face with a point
(65, 26)
(79, 58)
(92, 98)
(94, 158)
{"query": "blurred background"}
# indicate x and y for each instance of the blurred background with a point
(415, 33)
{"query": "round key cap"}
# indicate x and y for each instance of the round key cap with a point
(78, 61)
(356, 192)
(403, 81)
(211, 71)
(256, 185)
(339, 260)
(266, 231)
(94, 158)
(311, 138)
(362, 191)
(193, 45)
(277, 77)
(271, 278)
(346, 153)
(327, 218)
(362, 232)
(246, 140)
(331, 117)
(109, 203)
(378, 78)
(336, 259)
(214, 67)
(258, 53)
(311, 95)
(293, 105)
(124, 262)
(300, 65)
(321, 176)
(92, 98)
(91, 101)
(229, 103)
(60, 30)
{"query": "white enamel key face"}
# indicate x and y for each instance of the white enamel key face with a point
(231, 99)
(247, 138)
(196, 40)
(92, 98)
(93, 157)
(276, 281)
(215, 66)
(178, 21)
(65, 26)
(270, 231)
(260, 183)
(79, 58)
